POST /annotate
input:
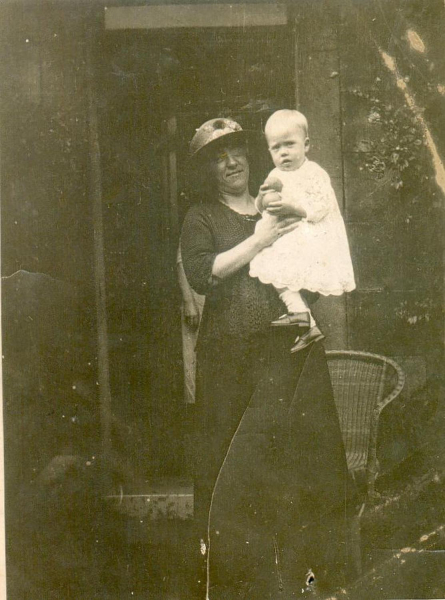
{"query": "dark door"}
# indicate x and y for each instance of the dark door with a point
(155, 89)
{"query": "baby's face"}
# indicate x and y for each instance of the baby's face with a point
(287, 146)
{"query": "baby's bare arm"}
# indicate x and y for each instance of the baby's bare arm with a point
(272, 200)
(286, 207)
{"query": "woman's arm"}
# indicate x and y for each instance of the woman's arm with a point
(234, 259)
(204, 266)
(267, 231)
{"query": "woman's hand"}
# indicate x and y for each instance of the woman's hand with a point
(191, 313)
(267, 231)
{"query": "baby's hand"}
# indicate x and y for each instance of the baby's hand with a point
(273, 183)
(282, 207)
(268, 197)
(269, 192)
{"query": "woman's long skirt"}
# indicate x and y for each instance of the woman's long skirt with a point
(273, 494)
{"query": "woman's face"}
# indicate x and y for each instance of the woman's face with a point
(230, 167)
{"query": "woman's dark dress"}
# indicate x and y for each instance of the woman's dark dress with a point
(269, 456)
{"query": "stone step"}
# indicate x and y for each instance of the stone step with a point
(162, 499)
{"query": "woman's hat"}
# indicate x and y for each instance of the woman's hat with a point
(212, 131)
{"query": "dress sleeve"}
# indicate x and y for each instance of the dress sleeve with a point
(198, 251)
(319, 196)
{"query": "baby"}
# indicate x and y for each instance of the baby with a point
(315, 256)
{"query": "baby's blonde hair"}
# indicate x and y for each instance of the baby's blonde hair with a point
(289, 117)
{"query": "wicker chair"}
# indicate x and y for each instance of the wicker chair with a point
(363, 385)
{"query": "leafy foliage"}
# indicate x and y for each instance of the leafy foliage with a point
(400, 150)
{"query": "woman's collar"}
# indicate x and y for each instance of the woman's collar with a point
(234, 207)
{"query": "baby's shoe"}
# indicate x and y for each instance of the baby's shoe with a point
(301, 319)
(311, 336)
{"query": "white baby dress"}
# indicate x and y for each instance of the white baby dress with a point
(315, 256)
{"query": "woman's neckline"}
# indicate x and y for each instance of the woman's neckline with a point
(241, 214)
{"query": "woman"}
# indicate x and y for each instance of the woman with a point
(269, 455)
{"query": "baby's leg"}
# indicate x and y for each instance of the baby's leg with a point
(295, 303)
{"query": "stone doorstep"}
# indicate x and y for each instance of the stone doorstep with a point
(161, 500)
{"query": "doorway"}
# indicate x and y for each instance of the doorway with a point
(155, 88)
